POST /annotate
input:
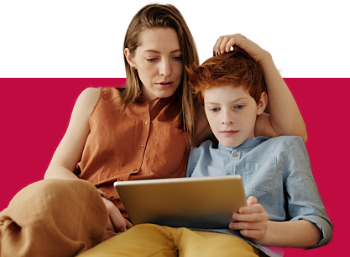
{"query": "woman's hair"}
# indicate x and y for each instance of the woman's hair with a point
(235, 68)
(163, 16)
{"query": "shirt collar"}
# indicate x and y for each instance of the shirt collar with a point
(141, 99)
(249, 143)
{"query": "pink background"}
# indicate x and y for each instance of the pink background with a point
(35, 114)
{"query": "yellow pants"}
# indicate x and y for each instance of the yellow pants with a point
(160, 241)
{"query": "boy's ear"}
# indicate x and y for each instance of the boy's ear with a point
(262, 103)
(129, 58)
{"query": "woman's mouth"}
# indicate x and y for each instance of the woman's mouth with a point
(165, 84)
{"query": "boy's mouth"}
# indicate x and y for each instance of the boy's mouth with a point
(228, 132)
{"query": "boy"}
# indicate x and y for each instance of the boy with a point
(276, 172)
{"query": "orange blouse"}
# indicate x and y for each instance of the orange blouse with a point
(138, 144)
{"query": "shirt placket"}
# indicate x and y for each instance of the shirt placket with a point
(140, 147)
(235, 156)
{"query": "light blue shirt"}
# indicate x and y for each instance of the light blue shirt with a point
(276, 171)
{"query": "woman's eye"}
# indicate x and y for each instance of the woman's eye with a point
(215, 109)
(178, 58)
(151, 59)
(239, 107)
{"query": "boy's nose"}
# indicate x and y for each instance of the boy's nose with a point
(227, 119)
(227, 122)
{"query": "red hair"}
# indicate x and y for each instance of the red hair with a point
(235, 68)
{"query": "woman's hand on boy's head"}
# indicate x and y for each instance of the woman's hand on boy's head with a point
(251, 220)
(224, 44)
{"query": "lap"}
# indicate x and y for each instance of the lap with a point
(160, 241)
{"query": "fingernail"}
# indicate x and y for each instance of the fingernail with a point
(213, 53)
(217, 53)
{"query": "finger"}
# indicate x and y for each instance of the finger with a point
(118, 220)
(248, 225)
(230, 44)
(115, 216)
(254, 234)
(222, 47)
(253, 217)
(128, 224)
(251, 209)
(252, 200)
(110, 225)
(216, 48)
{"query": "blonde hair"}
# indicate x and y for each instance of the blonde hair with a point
(163, 16)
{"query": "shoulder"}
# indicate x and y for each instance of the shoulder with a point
(284, 141)
(197, 152)
(87, 100)
(90, 94)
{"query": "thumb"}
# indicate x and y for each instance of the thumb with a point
(252, 200)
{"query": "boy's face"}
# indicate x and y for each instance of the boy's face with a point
(231, 113)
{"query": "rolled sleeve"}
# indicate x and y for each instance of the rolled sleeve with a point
(324, 226)
(304, 201)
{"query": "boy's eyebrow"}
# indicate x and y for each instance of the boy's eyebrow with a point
(241, 98)
(157, 52)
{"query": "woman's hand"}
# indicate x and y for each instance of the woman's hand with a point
(224, 44)
(252, 220)
(116, 222)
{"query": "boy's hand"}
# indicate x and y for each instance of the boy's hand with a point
(252, 220)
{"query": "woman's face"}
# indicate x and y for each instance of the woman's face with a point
(158, 61)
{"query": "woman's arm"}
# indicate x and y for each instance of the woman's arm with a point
(284, 117)
(69, 150)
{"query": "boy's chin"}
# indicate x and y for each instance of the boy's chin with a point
(231, 144)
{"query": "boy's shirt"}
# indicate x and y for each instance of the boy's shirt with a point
(276, 171)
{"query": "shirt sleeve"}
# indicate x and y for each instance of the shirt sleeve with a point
(193, 160)
(304, 201)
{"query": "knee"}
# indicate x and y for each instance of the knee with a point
(53, 190)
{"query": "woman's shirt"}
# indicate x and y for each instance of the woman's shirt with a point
(140, 143)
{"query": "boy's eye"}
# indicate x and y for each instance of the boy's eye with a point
(239, 107)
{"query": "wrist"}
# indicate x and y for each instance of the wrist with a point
(102, 195)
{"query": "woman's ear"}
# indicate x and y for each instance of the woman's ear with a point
(262, 103)
(129, 58)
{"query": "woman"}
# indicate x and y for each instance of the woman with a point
(141, 131)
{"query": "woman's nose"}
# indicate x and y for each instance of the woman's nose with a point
(165, 68)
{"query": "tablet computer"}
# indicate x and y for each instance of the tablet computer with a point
(203, 202)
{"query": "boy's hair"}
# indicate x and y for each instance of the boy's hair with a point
(235, 68)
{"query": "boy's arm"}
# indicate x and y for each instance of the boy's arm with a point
(252, 221)
(297, 234)
(308, 225)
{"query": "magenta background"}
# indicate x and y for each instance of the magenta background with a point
(35, 114)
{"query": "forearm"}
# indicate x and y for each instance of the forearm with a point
(59, 172)
(285, 117)
(296, 234)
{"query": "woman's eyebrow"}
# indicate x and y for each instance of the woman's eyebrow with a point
(155, 51)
